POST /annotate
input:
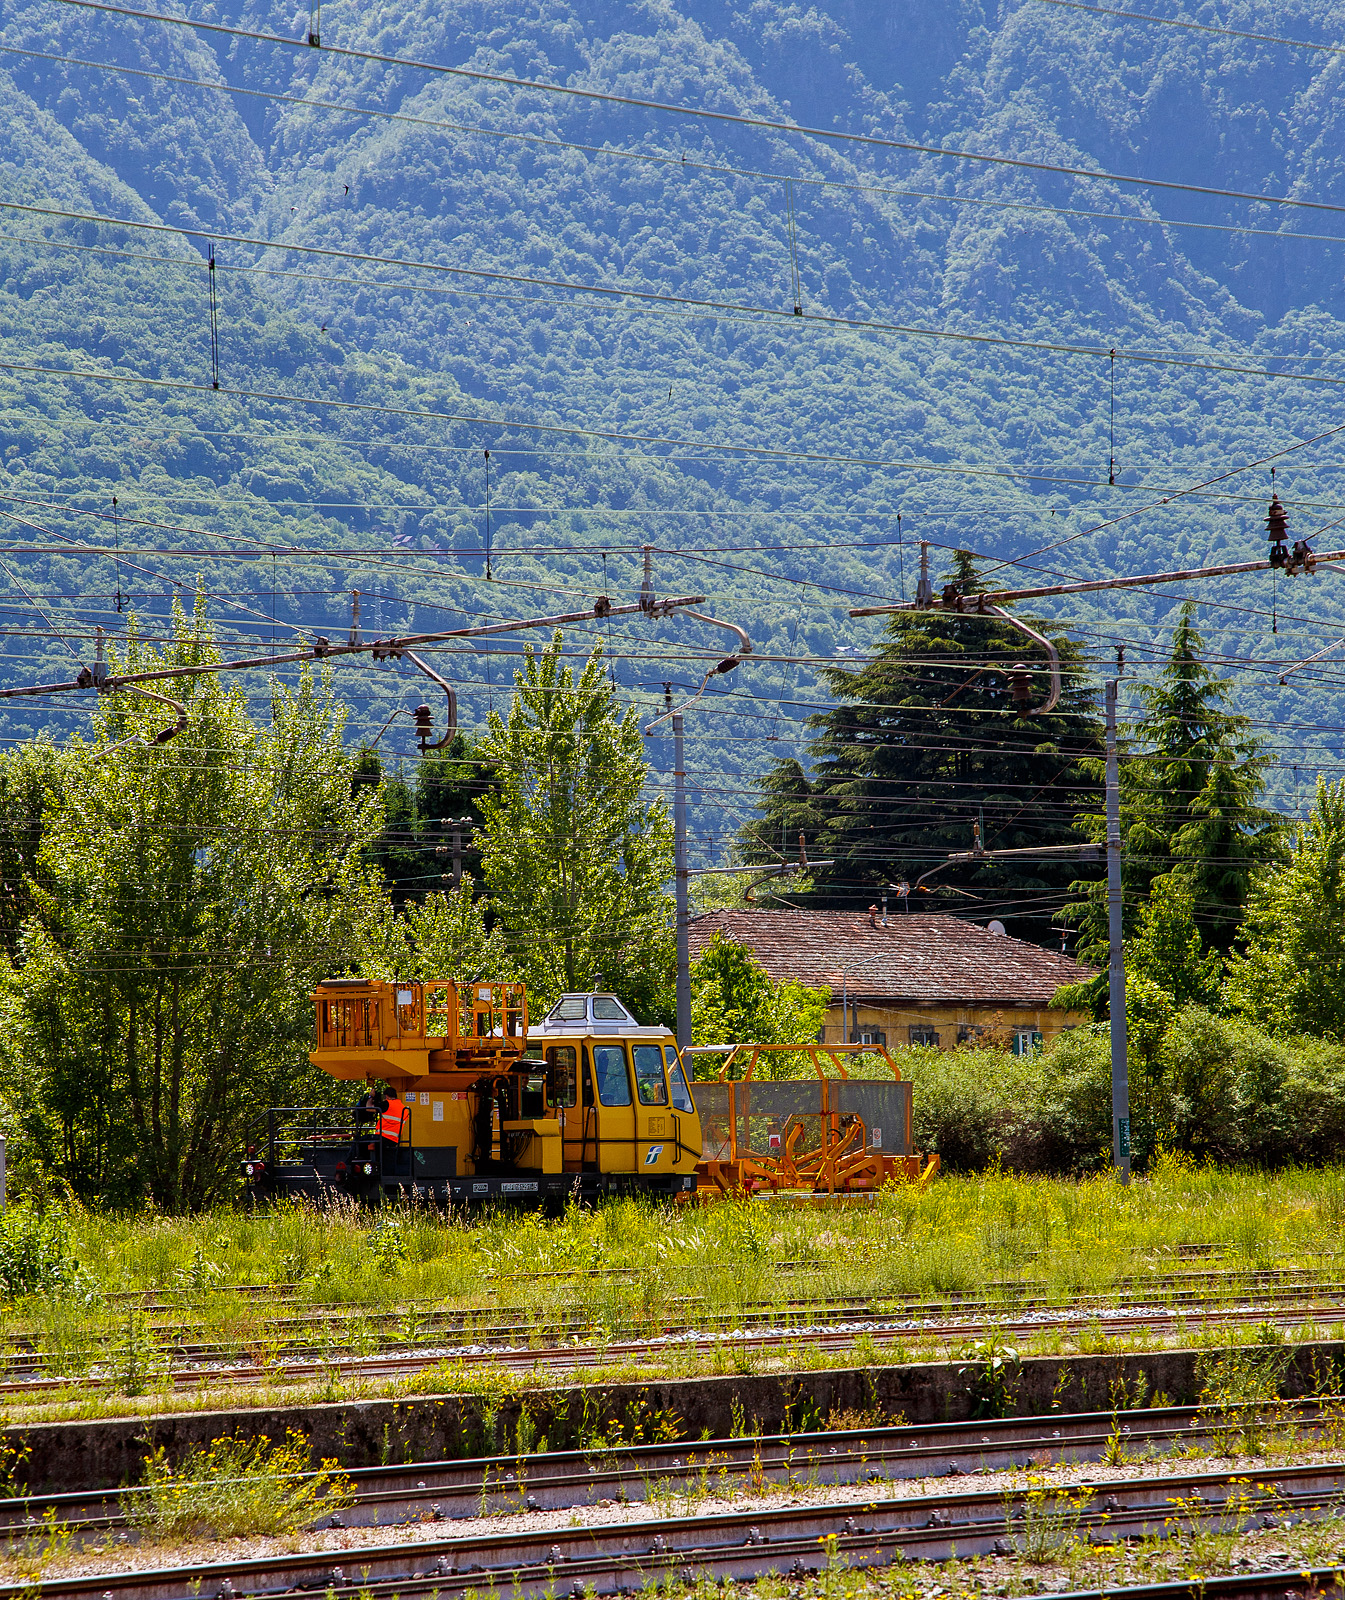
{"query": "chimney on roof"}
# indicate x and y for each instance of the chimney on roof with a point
(873, 916)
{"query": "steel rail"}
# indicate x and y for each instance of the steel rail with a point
(616, 1557)
(561, 1480)
(1287, 1583)
(1194, 1275)
(561, 1358)
(25, 1360)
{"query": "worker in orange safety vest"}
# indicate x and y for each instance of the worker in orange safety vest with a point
(391, 1113)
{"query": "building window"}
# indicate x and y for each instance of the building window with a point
(1025, 1042)
(869, 1036)
(927, 1036)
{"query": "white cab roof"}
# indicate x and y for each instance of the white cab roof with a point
(575, 1015)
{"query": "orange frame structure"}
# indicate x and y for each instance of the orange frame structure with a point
(842, 1164)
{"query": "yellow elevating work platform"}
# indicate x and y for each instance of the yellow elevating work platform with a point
(465, 1100)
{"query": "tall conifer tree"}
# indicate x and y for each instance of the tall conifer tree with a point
(926, 742)
(1190, 802)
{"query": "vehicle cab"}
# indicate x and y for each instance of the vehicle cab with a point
(620, 1092)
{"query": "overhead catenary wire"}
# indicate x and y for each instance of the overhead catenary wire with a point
(561, 430)
(1111, 462)
(685, 162)
(1197, 27)
(352, 552)
(663, 303)
(1111, 522)
(699, 113)
(214, 320)
(793, 247)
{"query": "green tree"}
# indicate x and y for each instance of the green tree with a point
(27, 773)
(1191, 785)
(734, 1000)
(1291, 974)
(443, 935)
(1167, 949)
(414, 845)
(574, 858)
(187, 897)
(923, 743)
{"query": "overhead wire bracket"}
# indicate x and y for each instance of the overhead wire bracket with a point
(728, 664)
(424, 729)
(1053, 655)
(163, 735)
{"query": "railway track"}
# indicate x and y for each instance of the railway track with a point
(1288, 1583)
(790, 1539)
(559, 1480)
(1173, 1290)
(813, 1337)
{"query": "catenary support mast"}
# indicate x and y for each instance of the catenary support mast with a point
(1120, 1080)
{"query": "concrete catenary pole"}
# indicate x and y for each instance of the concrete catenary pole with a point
(1120, 1081)
(680, 865)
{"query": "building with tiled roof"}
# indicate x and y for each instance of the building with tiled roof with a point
(908, 978)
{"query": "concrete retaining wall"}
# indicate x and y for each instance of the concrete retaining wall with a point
(89, 1455)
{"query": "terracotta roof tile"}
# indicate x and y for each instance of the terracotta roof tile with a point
(913, 958)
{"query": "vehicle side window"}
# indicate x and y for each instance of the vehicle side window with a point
(649, 1082)
(681, 1095)
(563, 1071)
(609, 1067)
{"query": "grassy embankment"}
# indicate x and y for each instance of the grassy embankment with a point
(339, 1284)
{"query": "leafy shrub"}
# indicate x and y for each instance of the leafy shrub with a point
(1066, 1125)
(1211, 1087)
(34, 1251)
(960, 1101)
(1313, 1106)
(1224, 1085)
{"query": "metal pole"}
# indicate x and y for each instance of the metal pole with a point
(680, 863)
(458, 823)
(1120, 1082)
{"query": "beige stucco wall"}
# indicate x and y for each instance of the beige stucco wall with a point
(953, 1023)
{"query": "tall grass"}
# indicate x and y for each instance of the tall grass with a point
(633, 1262)
(342, 1282)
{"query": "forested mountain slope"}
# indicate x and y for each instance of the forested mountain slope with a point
(358, 395)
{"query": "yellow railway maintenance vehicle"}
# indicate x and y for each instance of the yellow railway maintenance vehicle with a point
(479, 1105)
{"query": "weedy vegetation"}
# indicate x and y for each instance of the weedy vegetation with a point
(235, 1486)
(106, 1298)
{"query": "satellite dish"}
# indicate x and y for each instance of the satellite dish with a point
(996, 927)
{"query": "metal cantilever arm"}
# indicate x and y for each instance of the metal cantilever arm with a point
(726, 665)
(448, 690)
(1326, 650)
(744, 643)
(164, 734)
(401, 711)
(1052, 699)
